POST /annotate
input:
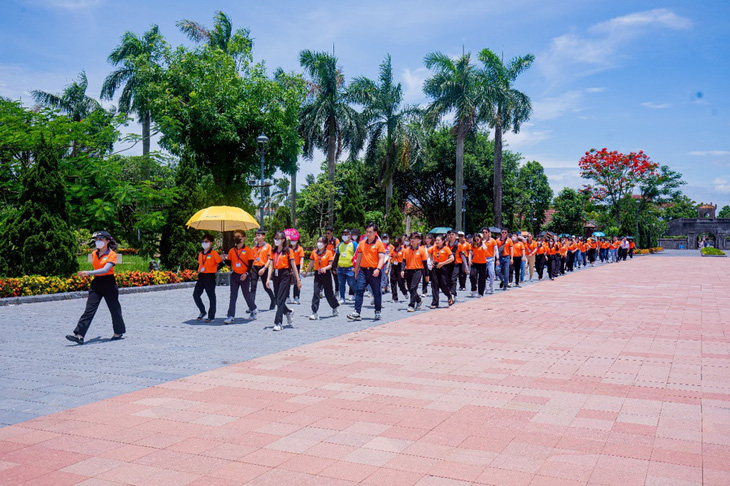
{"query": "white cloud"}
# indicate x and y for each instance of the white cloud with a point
(722, 185)
(413, 83)
(601, 47)
(527, 137)
(655, 106)
(709, 153)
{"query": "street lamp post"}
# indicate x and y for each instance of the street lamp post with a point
(262, 141)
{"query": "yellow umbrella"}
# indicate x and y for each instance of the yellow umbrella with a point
(222, 218)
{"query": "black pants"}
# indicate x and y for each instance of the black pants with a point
(102, 287)
(413, 278)
(296, 291)
(570, 260)
(433, 280)
(516, 269)
(281, 292)
(425, 272)
(397, 281)
(563, 260)
(365, 279)
(631, 253)
(237, 283)
(591, 255)
(453, 276)
(442, 281)
(255, 277)
(478, 277)
(332, 272)
(540, 264)
(323, 281)
(463, 273)
(206, 281)
(553, 265)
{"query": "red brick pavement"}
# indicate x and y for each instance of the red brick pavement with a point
(617, 375)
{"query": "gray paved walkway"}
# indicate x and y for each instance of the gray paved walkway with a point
(42, 373)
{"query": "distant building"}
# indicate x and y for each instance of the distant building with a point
(690, 233)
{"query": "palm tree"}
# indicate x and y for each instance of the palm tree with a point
(386, 124)
(237, 44)
(505, 107)
(128, 53)
(73, 101)
(454, 88)
(327, 121)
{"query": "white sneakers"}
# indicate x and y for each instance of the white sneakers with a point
(228, 320)
(314, 317)
(335, 312)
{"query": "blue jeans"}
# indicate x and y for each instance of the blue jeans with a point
(345, 275)
(364, 278)
(522, 269)
(504, 262)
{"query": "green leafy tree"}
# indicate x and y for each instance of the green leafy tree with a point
(36, 238)
(132, 52)
(392, 139)
(327, 121)
(724, 212)
(349, 184)
(681, 207)
(454, 89)
(570, 214)
(236, 44)
(533, 196)
(73, 101)
(179, 246)
(313, 204)
(659, 187)
(505, 107)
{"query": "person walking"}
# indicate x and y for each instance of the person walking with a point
(442, 258)
(261, 252)
(240, 258)
(518, 249)
(368, 268)
(415, 257)
(464, 267)
(331, 244)
(282, 269)
(540, 257)
(299, 261)
(345, 275)
(396, 270)
(321, 259)
(531, 251)
(504, 244)
(208, 262)
(104, 285)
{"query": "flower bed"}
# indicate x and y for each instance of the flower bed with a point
(38, 285)
(646, 251)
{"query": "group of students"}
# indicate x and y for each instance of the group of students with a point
(370, 262)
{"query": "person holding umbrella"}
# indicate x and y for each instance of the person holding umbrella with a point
(103, 286)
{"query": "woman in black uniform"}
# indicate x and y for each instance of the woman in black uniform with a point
(104, 285)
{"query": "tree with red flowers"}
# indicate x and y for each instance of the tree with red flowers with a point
(614, 175)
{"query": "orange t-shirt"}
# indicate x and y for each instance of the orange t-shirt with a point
(298, 254)
(479, 254)
(615, 245)
(506, 251)
(583, 247)
(261, 254)
(240, 259)
(605, 245)
(396, 254)
(551, 250)
(542, 249)
(370, 252)
(415, 259)
(99, 261)
(531, 247)
(593, 244)
(208, 262)
(518, 249)
(321, 261)
(632, 245)
(572, 247)
(563, 249)
(282, 260)
(441, 254)
(492, 247)
(332, 245)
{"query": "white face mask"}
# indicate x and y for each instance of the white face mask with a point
(345, 237)
(205, 245)
(277, 242)
(99, 244)
(320, 245)
(385, 242)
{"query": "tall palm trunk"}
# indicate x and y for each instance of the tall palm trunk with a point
(459, 175)
(294, 198)
(146, 121)
(331, 153)
(498, 174)
(388, 194)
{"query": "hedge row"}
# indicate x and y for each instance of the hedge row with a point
(38, 285)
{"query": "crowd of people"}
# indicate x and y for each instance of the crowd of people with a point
(347, 270)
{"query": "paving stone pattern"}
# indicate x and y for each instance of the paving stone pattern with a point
(615, 376)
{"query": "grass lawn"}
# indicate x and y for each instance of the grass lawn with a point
(130, 263)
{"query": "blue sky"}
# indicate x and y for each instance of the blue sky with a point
(627, 75)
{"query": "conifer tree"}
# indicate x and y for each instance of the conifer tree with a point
(36, 239)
